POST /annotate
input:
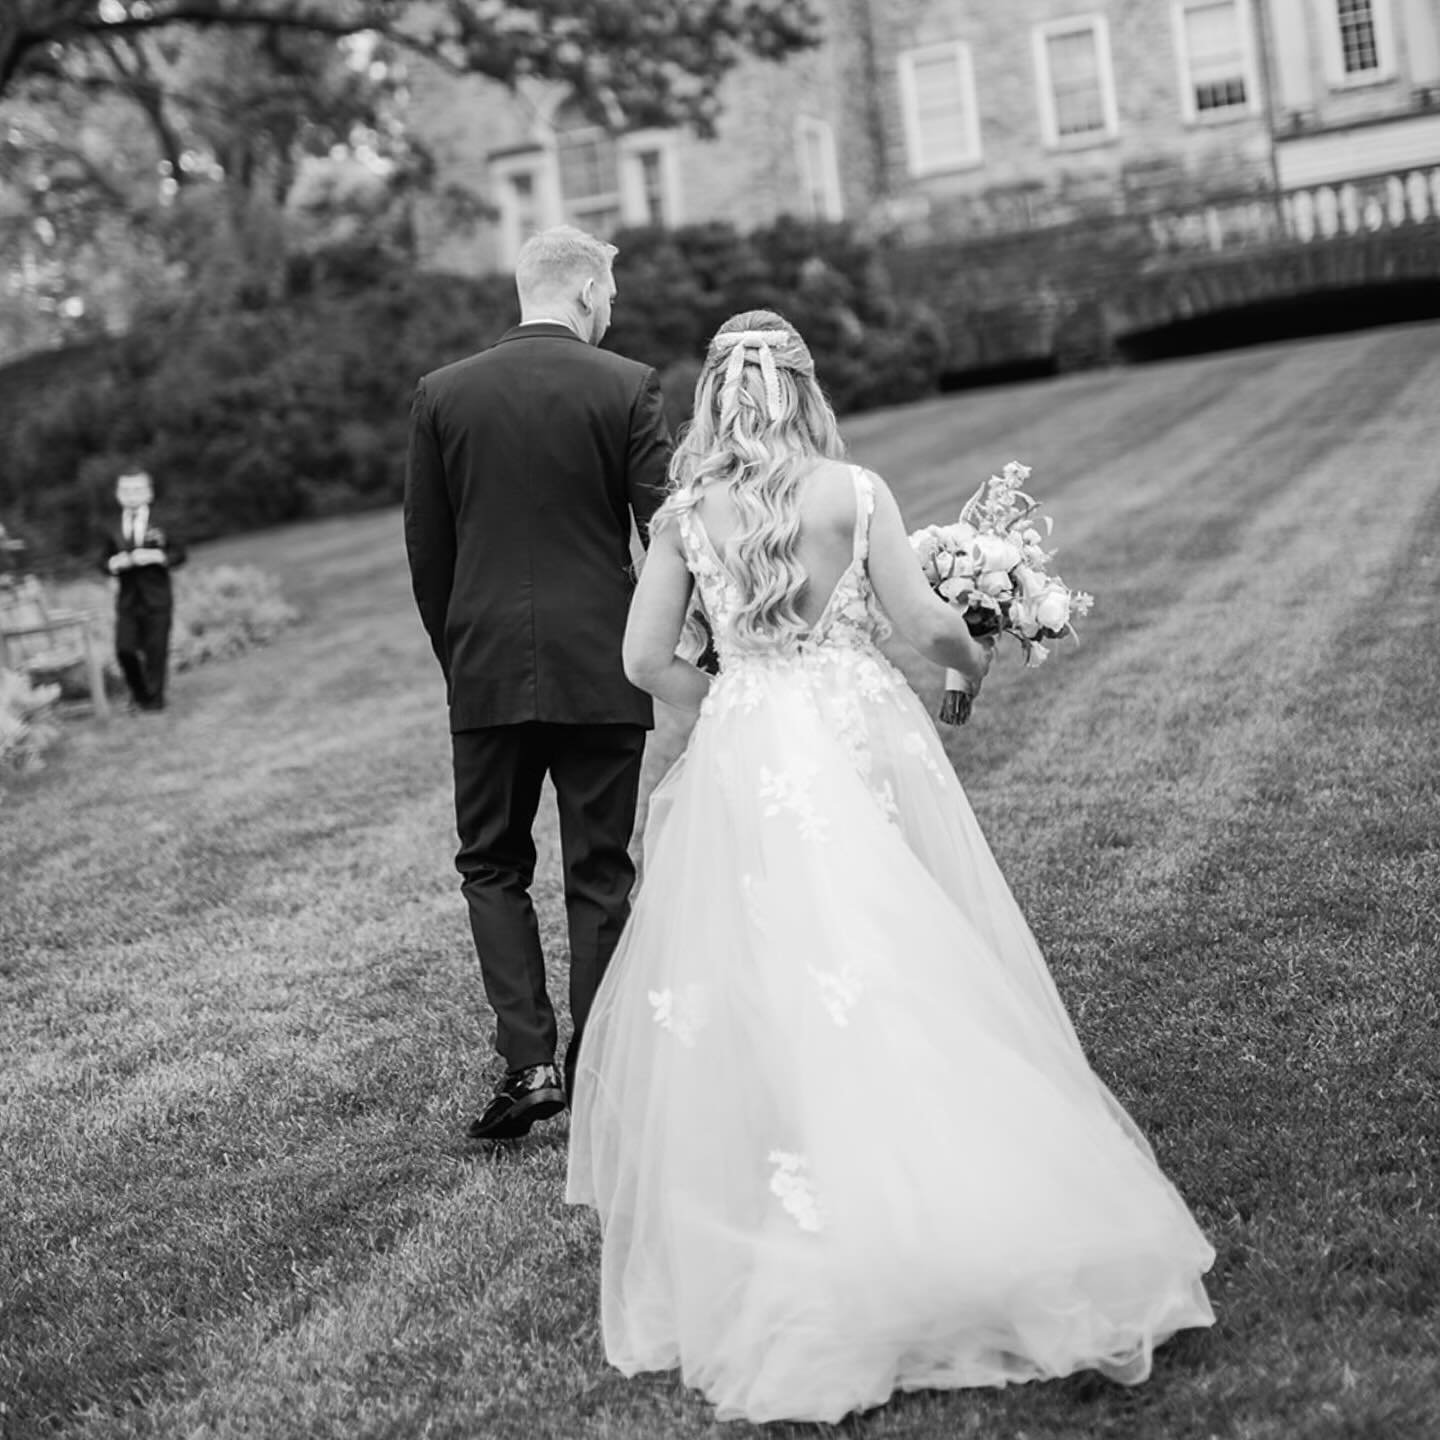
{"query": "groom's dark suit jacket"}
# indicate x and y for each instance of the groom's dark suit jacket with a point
(525, 464)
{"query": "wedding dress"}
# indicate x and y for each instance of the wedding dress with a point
(831, 1112)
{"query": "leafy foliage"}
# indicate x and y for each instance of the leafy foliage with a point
(296, 405)
(676, 287)
(25, 729)
(151, 148)
(247, 419)
(645, 60)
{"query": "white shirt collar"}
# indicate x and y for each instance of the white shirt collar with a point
(546, 320)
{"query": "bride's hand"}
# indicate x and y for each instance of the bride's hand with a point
(986, 645)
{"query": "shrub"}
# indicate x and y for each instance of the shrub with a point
(677, 287)
(298, 406)
(245, 419)
(224, 611)
(26, 729)
(677, 385)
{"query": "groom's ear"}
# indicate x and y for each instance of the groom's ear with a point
(587, 292)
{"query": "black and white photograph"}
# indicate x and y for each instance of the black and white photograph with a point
(718, 718)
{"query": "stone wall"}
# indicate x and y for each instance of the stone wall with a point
(1155, 157)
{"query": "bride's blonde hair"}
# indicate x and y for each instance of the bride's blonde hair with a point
(760, 419)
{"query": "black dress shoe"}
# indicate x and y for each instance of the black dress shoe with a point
(524, 1097)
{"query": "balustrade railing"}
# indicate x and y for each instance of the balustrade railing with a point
(1353, 207)
(1307, 213)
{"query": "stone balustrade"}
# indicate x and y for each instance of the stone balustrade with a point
(1353, 207)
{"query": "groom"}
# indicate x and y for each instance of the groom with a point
(526, 463)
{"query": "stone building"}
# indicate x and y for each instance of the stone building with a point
(790, 140)
(1023, 159)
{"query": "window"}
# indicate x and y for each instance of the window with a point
(1077, 84)
(589, 179)
(937, 94)
(517, 183)
(587, 176)
(1217, 74)
(649, 177)
(522, 201)
(651, 164)
(819, 169)
(1359, 42)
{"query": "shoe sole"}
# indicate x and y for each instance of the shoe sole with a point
(516, 1122)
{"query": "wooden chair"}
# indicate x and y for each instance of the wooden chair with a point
(42, 643)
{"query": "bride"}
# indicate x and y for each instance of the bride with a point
(835, 1121)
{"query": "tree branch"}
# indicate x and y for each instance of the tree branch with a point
(140, 85)
(242, 17)
(23, 32)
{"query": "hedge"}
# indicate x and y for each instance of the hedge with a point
(297, 407)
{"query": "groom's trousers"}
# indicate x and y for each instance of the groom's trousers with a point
(499, 771)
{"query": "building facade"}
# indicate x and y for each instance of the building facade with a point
(1049, 176)
(789, 140)
(959, 118)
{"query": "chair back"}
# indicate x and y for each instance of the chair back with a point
(22, 604)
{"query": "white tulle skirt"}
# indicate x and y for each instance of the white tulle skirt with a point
(830, 1110)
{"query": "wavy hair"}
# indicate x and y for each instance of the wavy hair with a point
(760, 420)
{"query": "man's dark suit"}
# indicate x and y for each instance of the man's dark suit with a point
(144, 608)
(526, 463)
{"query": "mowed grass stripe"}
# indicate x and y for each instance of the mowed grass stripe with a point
(1290, 984)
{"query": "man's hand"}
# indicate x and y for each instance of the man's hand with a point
(147, 555)
(121, 561)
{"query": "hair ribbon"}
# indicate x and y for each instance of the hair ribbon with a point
(740, 343)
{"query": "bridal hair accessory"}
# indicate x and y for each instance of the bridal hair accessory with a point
(740, 344)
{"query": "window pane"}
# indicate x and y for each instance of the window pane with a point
(652, 186)
(942, 117)
(817, 170)
(522, 203)
(1074, 58)
(1358, 46)
(1216, 54)
(588, 166)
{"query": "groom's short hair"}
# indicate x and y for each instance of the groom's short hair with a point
(560, 258)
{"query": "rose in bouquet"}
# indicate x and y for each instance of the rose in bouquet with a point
(993, 564)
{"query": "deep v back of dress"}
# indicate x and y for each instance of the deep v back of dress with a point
(848, 614)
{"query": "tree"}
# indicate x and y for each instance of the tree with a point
(643, 60)
(149, 147)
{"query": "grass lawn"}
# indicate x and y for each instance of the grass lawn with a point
(242, 1026)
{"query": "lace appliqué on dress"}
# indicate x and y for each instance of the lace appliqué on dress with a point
(922, 747)
(840, 990)
(789, 790)
(792, 1186)
(682, 1013)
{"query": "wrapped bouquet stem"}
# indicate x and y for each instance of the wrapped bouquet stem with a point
(956, 700)
(993, 564)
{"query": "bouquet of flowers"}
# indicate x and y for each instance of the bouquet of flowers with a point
(992, 563)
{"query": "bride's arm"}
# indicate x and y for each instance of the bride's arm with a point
(657, 616)
(937, 630)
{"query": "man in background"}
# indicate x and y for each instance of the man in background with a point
(141, 556)
(526, 465)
